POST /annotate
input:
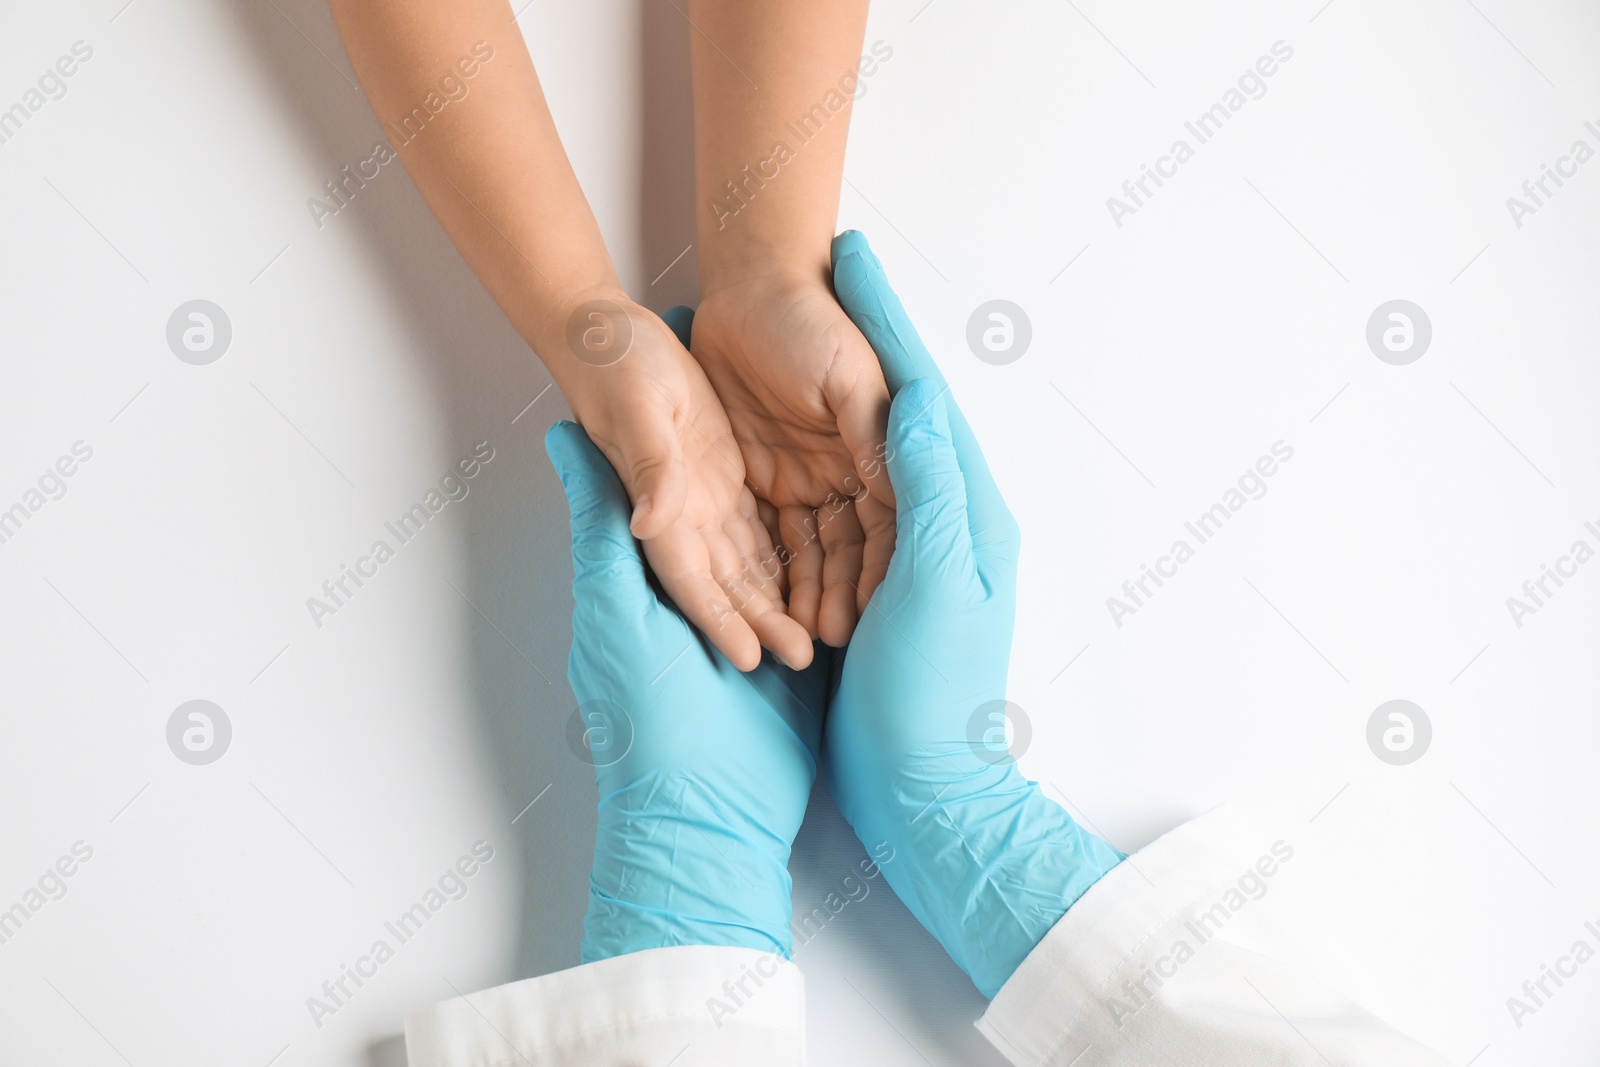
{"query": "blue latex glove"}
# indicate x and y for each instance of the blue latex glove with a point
(703, 771)
(982, 858)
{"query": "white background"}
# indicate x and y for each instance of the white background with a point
(1168, 354)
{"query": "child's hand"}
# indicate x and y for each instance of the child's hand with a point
(807, 404)
(649, 408)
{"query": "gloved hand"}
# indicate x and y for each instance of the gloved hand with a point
(982, 858)
(704, 772)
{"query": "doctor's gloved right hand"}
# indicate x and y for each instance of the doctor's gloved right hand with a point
(703, 770)
(984, 860)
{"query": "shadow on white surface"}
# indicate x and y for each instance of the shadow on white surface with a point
(390, 1052)
(518, 569)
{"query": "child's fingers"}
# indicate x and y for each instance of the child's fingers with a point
(798, 528)
(842, 544)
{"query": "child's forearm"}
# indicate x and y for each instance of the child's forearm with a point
(483, 150)
(773, 84)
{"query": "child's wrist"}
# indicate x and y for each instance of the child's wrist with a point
(729, 260)
(581, 329)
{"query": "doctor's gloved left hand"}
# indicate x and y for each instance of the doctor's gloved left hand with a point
(704, 771)
(984, 859)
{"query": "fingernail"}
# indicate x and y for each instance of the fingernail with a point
(641, 509)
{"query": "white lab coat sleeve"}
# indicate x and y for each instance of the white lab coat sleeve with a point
(1191, 951)
(690, 1006)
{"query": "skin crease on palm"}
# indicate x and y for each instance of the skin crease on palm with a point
(807, 403)
(713, 556)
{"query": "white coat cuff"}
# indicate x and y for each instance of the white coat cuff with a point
(1041, 1015)
(703, 1004)
(1189, 951)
